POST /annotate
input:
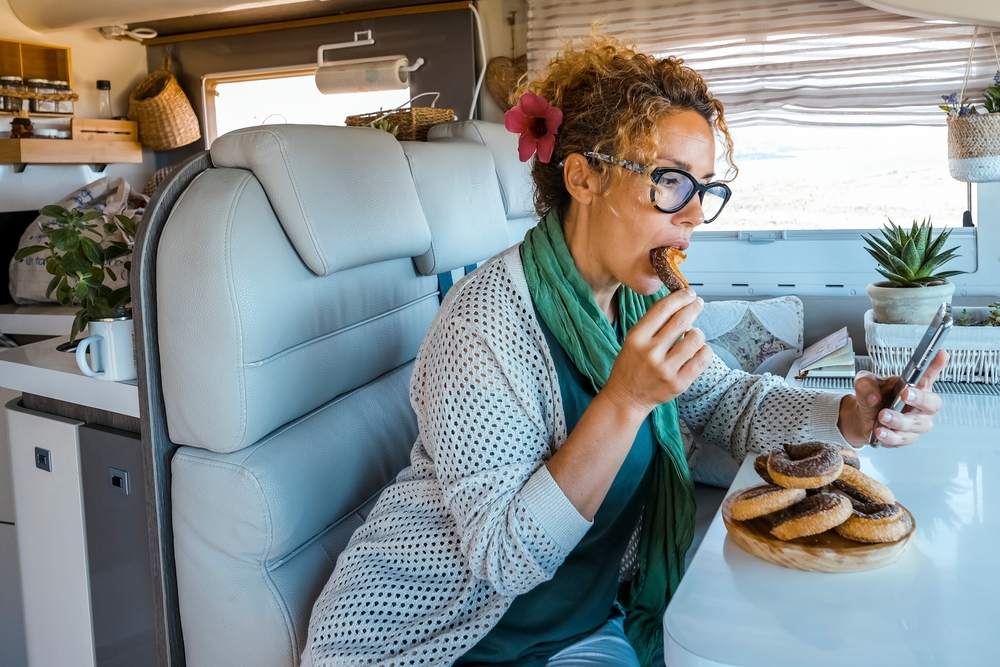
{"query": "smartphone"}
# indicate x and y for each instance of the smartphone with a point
(925, 351)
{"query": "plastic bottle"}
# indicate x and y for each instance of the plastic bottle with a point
(104, 99)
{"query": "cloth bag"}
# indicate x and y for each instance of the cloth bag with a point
(110, 196)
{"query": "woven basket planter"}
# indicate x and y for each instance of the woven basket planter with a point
(413, 123)
(974, 148)
(166, 119)
(974, 352)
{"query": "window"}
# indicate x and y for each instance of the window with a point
(801, 177)
(832, 104)
(243, 99)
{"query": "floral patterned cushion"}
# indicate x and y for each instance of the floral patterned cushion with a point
(751, 343)
(755, 336)
(745, 334)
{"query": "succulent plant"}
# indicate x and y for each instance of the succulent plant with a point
(386, 126)
(911, 258)
(993, 319)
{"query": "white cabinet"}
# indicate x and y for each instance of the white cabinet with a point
(45, 462)
(6, 490)
(12, 651)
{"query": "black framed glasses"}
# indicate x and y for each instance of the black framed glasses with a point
(674, 188)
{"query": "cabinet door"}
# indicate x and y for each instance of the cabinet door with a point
(6, 492)
(48, 506)
(121, 581)
(11, 619)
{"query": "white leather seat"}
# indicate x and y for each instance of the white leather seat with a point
(513, 175)
(289, 309)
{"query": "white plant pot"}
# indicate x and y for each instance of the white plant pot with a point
(112, 350)
(908, 305)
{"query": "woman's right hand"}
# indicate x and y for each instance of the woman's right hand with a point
(653, 367)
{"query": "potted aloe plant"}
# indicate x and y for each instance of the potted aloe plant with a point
(910, 261)
(80, 252)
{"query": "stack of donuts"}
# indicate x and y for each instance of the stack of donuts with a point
(817, 486)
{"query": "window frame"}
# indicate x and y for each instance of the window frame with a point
(831, 262)
(210, 81)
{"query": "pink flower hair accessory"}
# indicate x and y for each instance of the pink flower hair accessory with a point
(538, 123)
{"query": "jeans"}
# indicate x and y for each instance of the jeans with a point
(606, 647)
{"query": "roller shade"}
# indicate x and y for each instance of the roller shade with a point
(793, 62)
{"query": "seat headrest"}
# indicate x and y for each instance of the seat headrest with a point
(516, 186)
(458, 190)
(326, 184)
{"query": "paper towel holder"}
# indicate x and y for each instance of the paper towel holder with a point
(365, 74)
(361, 38)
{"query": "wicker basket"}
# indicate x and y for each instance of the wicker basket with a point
(974, 148)
(166, 119)
(974, 352)
(413, 123)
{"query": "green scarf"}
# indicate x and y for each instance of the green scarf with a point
(566, 304)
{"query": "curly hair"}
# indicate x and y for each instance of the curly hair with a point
(612, 98)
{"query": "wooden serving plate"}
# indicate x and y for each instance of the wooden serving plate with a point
(826, 552)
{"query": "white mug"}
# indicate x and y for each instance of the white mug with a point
(112, 348)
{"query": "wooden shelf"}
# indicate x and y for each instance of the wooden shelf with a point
(35, 61)
(95, 141)
(39, 114)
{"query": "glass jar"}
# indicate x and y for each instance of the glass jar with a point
(63, 106)
(43, 86)
(9, 102)
(104, 99)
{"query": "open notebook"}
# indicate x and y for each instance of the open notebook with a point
(832, 356)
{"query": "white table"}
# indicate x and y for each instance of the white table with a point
(938, 605)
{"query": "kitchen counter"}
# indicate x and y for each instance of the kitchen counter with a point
(41, 369)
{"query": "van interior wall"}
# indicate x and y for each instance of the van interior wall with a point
(502, 40)
(443, 39)
(120, 62)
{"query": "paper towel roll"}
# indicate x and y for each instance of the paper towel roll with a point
(363, 75)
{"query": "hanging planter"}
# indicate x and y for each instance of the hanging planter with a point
(974, 148)
(973, 137)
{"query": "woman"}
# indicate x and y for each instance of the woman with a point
(548, 508)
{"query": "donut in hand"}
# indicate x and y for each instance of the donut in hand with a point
(665, 263)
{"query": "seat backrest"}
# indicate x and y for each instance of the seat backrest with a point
(513, 175)
(289, 312)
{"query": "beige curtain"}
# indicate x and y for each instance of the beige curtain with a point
(805, 62)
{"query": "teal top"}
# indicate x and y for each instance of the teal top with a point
(581, 595)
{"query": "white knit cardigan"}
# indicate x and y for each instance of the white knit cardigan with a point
(477, 519)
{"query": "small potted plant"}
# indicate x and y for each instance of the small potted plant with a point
(910, 261)
(974, 137)
(80, 251)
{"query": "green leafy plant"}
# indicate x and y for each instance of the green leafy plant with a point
(991, 96)
(80, 251)
(911, 258)
(992, 317)
(386, 126)
(991, 101)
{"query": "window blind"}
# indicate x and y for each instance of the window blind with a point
(803, 62)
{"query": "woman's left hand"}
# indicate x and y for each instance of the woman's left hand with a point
(858, 412)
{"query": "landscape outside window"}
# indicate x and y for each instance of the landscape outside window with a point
(292, 99)
(802, 177)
